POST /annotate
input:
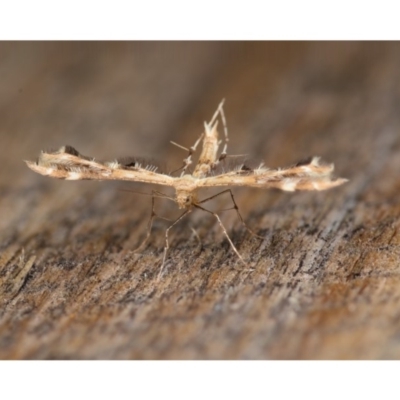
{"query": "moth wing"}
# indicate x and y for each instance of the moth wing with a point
(306, 175)
(67, 163)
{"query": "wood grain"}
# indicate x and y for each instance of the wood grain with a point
(323, 283)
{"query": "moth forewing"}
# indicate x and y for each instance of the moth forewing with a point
(310, 176)
(67, 163)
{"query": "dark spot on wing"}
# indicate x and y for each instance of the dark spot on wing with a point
(128, 162)
(240, 164)
(142, 162)
(304, 161)
(71, 150)
(68, 150)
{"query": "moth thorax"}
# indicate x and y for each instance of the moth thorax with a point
(185, 199)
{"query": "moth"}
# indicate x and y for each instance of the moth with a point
(211, 170)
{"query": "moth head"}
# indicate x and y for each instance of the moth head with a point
(185, 199)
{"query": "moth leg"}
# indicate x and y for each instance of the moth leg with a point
(220, 111)
(188, 160)
(167, 242)
(223, 230)
(235, 207)
(150, 223)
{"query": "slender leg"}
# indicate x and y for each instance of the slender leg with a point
(166, 240)
(220, 111)
(217, 112)
(150, 223)
(188, 160)
(224, 231)
(235, 207)
(225, 149)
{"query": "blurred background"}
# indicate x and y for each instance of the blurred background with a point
(111, 99)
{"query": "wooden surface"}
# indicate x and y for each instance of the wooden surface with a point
(323, 283)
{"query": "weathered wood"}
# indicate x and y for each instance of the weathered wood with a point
(322, 283)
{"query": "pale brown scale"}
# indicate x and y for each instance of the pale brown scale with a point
(208, 156)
